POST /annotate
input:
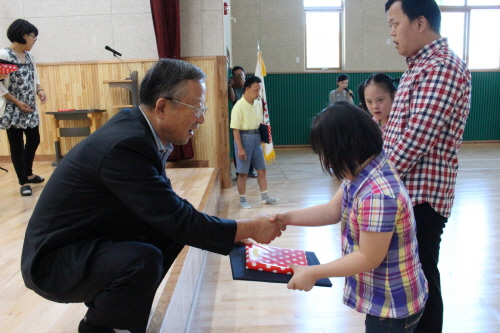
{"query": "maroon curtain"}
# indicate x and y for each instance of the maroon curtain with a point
(166, 22)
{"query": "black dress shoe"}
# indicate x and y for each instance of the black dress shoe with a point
(87, 327)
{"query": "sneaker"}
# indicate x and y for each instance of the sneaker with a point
(269, 200)
(252, 174)
(245, 205)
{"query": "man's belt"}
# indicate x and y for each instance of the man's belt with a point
(254, 131)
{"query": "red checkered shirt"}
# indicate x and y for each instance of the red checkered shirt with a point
(427, 122)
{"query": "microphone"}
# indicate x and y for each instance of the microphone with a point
(350, 93)
(114, 51)
(117, 55)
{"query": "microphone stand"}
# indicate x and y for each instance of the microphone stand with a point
(130, 71)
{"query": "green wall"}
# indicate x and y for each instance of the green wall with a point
(294, 99)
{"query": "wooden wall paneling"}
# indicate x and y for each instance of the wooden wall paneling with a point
(223, 142)
(80, 86)
(211, 141)
(204, 143)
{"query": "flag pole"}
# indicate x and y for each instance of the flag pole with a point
(260, 71)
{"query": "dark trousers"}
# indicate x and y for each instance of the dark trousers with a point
(430, 227)
(121, 282)
(22, 155)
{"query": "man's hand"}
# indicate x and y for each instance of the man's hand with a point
(265, 231)
(259, 228)
(302, 278)
(245, 241)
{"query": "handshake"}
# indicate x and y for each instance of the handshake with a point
(262, 228)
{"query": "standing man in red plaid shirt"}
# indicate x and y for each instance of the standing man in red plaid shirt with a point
(425, 131)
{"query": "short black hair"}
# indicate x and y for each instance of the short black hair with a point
(342, 77)
(19, 28)
(167, 79)
(415, 8)
(251, 80)
(235, 68)
(382, 80)
(344, 136)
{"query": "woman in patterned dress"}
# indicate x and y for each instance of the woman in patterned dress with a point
(19, 114)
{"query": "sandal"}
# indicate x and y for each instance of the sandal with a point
(36, 180)
(26, 191)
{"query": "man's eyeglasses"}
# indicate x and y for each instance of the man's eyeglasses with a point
(199, 111)
(34, 37)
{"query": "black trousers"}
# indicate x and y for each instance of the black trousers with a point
(22, 155)
(430, 227)
(121, 282)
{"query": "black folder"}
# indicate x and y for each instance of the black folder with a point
(238, 266)
(2, 61)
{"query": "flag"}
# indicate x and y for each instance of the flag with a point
(260, 71)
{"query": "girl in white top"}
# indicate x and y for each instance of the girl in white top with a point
(342, 93)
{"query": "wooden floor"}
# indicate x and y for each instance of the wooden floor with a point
(470, 258)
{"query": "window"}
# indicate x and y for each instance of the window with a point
(323, 33)
(322, 3)
(464, 23)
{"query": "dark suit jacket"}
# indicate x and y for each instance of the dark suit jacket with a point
(111, 186)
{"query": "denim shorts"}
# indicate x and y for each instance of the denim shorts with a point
(251, 144)
(392, 325)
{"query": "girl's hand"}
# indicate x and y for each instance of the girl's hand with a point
(301, 279)
(42, 96)
(279, 219)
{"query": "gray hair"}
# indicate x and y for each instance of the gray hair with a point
(168, 79)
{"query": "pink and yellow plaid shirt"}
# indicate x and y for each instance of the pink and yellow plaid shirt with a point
(427, 122)
(377, 201)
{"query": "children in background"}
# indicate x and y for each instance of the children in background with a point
(342, 93)
(384, 278)
(377, 94)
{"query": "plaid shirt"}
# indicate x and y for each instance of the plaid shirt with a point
(427, 122)
(377, 201)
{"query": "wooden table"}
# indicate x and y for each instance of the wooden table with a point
(91, 114)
